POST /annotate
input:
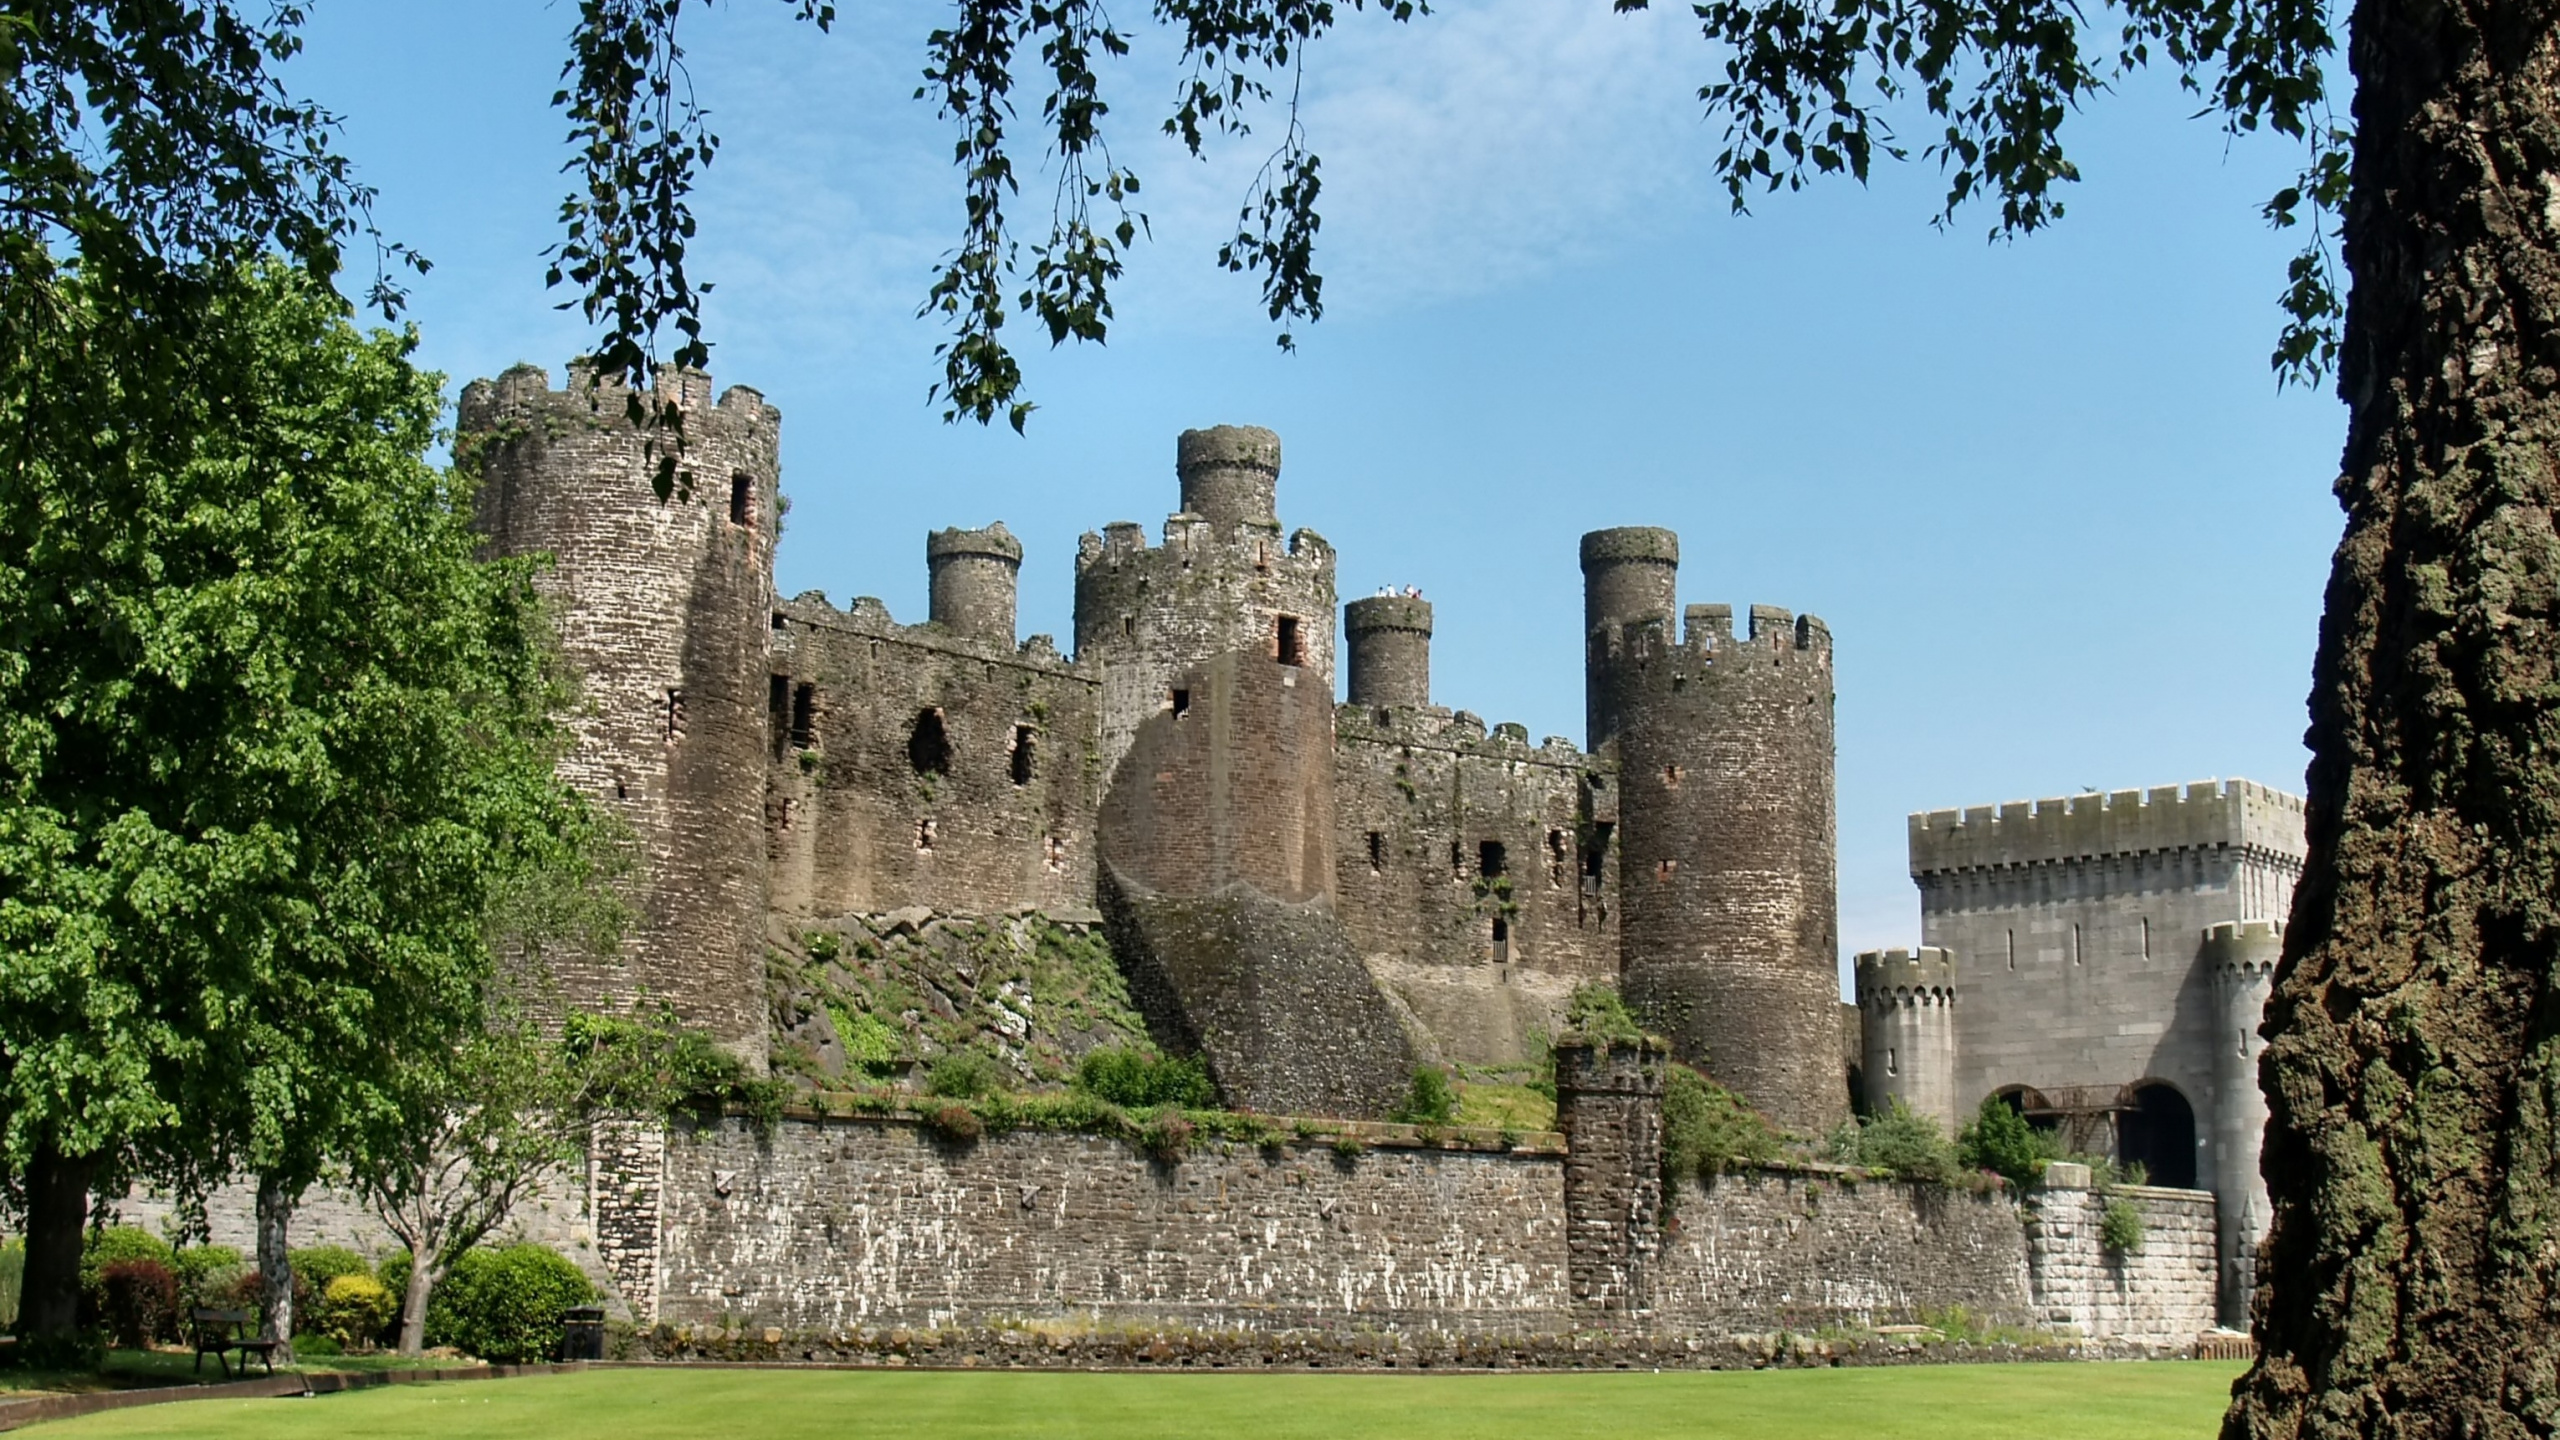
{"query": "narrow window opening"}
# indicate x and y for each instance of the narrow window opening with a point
(777, 706)
(1892, 1061)
(1595, 859)
(1377, 852)
(1670, 777)
(1679, 682)
(1181, 703)
(804, 715)
(675, 715)
(1665, 869)
(2013, 948)
(1262, 555)
(742, 499)
(924, 835)
(621, 791)
(2241, 1049)
(1501, 941)
(929, 746)
(2146, 937)
(1489, 859)
(1128, 624)
(1292, 650)
(1557, 864)
(1385, 718)
(2075, 942)
(1022, 744)
(781, 621)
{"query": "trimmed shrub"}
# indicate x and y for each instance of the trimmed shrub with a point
(1139, 1080)
(138, 1302)
(504, 1305)
(115, 1245)
(354, 1310)
(313, 1271)
(1707, 1129)
(13, 1274)
(1430, 1100)
(206, 1275)
(2121, 1228)
(963, 1075)
(2001, 1141)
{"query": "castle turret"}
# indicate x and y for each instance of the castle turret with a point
(1229, 474)
(1390, 642)
(1908, 1035)
(1729, 925)
(663, 609)
(974, 576)
(2240, 958)
(1628, 574)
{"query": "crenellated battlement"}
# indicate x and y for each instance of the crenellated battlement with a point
(2243, 949)
(869, 617)
(2203, 814)
(1457, 732)
(604, 398)
(1646, 651)
(1923, 977)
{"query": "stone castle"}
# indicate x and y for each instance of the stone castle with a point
(1315, 897)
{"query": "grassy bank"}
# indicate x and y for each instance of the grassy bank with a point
(2155, 1401)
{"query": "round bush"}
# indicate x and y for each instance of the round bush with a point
(504, 1305)
(314, 1269)
(138, 1303)
(115, 1245)
(354, 1310)
(206, 1275)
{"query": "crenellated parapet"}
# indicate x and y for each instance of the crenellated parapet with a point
(2202, 815)
(1921, 979)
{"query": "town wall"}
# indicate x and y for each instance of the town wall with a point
(2165, 1288)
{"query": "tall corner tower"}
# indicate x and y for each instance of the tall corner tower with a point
(1729, 913)
(2240, 960)
(664, 612)
(1907, 1033)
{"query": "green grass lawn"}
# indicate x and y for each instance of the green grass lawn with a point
(1960, 1402)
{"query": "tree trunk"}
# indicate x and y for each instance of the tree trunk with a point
(275, 1263)
(57, 1213)
(413, 1305)
(2413, 1064)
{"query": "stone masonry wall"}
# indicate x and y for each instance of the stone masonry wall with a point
(898, 773)
(2164, 1293)
(1484, 958)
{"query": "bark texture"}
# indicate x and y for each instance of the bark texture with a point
(413, 1303)
(275, 1263)
(57, 1213)
(2407, 1288)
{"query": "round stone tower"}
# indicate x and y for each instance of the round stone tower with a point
(1229, 474)
(975, 574)
(664, 610)
(1906, 1024)
(1390, 641)
(1628, 574)
(2240, 957)
(1728, 927)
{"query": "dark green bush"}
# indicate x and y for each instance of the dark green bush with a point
(1431, 1100)
(1138, 1080)
(1707, 1129)
(963, 1075)
(113, 1246)
(2001, 1141)
(1902, 1144)
(504, 1305)
(206, 1274)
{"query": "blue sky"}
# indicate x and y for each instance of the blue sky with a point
(2065, 529)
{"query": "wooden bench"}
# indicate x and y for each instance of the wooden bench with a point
(220, 1332)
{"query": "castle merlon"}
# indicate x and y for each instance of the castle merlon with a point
(1457, 732)
(2203, 814)
(607, 396)
(1885, 972)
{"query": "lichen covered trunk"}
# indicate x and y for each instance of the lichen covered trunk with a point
(2413, 1065)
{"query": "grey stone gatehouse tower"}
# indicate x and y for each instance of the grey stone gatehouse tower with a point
(2102, 962)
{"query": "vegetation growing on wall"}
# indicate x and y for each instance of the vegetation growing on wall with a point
(1707, 1129)
(1899, 1143)
(877, 997)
